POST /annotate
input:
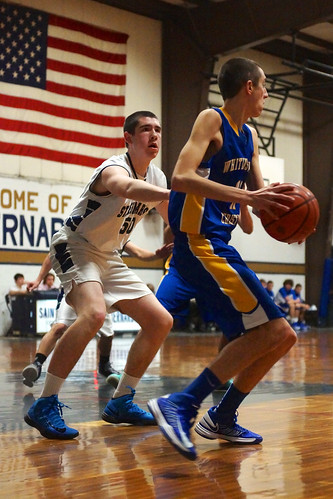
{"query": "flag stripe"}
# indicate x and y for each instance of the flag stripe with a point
(112, 100)
(104, 89)
(84, 39)
(101, 34)
(57, 133)
(79, 48)
(43, 153)
(74, 69)
(62, 87)
(52, 143)
(82, 60)
(33, 116)
(62, 112)
(60, 101)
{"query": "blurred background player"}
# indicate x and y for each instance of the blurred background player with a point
(284, 298)
(269, 289)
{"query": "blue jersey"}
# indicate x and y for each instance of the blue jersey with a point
(229, 166)
(203, 264)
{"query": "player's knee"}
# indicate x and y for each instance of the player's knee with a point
(280, 333)
(59, 330)
(290, 335)
(96, 320)
(163, 322)
(285, 335)
(168, 322)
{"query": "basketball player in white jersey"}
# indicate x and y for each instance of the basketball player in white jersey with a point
(96, 281)
(65, 316)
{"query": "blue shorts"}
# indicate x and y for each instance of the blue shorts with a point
(174, 293)
(228, 290)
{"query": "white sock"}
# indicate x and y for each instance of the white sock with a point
(125, 384)
(52, 385)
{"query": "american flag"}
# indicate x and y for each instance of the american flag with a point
(62, 87)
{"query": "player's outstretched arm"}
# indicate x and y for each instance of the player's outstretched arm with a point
(146, 255)
(45, 269)
(117, 181)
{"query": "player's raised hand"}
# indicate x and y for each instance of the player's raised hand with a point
(33, 285)
(274, 197)
(164, 251)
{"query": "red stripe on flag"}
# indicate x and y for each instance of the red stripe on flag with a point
(87, 29)
(60, 134)
(74, 69)
(81, 93)
(49, 154)
(78, 48)
(62, 112)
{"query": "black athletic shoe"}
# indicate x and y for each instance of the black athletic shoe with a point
(107, 369)
(31, 373)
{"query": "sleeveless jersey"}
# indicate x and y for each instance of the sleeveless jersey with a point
(194, 214)
(106, 222)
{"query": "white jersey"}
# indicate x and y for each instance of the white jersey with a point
(106, 222)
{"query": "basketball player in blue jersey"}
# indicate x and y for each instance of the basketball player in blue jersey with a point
(219, 159)
(96, 281)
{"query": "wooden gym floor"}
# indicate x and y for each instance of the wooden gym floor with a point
(291, 408)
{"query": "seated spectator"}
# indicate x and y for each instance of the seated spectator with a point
(48, 283)
(20, 286)
(263, 282)
(301, 306)
(269, 289)
(285, 300)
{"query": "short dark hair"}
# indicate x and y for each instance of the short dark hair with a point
(235, 73)
(17, 276)
(288, 281)
(132, 120)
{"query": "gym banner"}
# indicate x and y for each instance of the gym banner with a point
(30, 213)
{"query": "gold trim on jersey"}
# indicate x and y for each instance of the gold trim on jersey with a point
(224, 274)
(192, 213)
(231, 121)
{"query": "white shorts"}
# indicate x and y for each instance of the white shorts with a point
(65, 314)
(77, 261)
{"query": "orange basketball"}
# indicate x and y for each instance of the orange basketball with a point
(299, 222)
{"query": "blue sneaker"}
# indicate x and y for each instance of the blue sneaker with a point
(46, 415)
(209, 427)
(123, 410)
(175, 422)
(113, 379)
(296, 326)
(303, 326)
